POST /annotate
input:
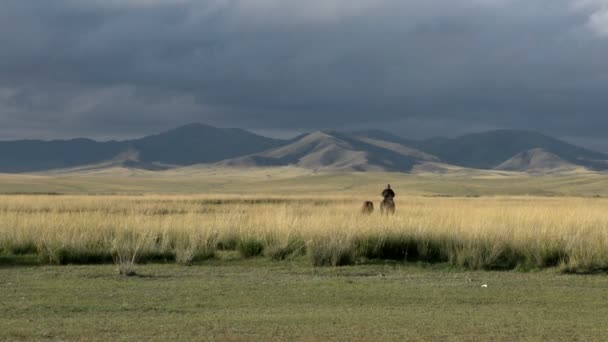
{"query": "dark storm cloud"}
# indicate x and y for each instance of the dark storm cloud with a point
(122, 68)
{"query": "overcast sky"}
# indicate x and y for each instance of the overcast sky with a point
(125, 68)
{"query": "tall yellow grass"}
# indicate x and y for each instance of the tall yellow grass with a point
(477, 233)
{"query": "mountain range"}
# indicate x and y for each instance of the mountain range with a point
(372, 150)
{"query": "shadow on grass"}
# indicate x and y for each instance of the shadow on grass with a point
(10, 260)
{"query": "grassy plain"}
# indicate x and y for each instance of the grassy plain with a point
(287, 180)
(256, 238)
(244, 300)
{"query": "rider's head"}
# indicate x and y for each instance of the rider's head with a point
(388, 186)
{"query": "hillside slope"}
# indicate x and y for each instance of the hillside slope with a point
(536, 160)
(337, 151)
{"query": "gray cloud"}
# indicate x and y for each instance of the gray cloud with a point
(125, 68)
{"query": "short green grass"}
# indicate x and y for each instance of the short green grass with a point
(236, 299)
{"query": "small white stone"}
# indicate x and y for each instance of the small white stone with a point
(484, 285)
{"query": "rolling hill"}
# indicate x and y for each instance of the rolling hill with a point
(337, 151)
(490, 149)
(536, 160)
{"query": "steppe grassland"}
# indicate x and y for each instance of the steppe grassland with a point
(291, 180)
(476, 233)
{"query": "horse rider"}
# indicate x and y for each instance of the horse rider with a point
(388, 192)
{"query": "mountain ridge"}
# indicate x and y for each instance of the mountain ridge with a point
(370, 150)
(185, 145)
(338, 151)
(489, 149)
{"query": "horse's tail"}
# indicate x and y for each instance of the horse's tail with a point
(388, 206)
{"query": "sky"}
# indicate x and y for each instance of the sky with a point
(114, 69)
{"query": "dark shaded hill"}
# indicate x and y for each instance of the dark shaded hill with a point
(198, 143)
(186, 145)
(489, 149)
(38, 155)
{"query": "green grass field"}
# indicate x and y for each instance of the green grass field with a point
(237, 300)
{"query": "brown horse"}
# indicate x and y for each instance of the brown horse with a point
(387, 206)
(367, 208)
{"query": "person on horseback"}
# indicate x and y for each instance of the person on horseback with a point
(388, 192)
(388, 205)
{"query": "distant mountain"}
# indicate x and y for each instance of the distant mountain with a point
(322, 150)
(38, 155)
(536, 160)
(186, 145)
(198, 143)
(337, 151)
(490, 149)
